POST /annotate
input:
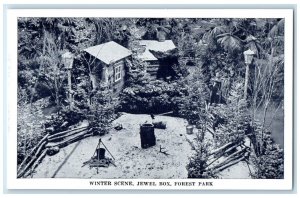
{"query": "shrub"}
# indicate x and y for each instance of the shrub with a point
(192, 105)
(270, 164)
(198, 162)
(143, 94)
(64, 118)
(102, 111)
(234, 115)
(30, 126)
(156, 96)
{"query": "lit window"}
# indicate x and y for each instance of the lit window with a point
(118, 72)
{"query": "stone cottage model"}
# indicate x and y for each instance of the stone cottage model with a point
(106, 63)
(154, 45)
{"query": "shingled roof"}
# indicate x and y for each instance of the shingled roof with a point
(109, 52)
(159, 46)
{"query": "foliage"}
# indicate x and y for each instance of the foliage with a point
(233, 116)
(52, 74)
(82, 92)
(226, 39)
(154, 97)
(270, 164)
(30, 126)
(63, 119)
(193, 106)
(198, 162)
(145, 95)
(136, 73)
(102, 111)
(108, 29)
(41, 43)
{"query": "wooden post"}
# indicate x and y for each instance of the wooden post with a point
(70, 89)
(68, 59)
(248, 55)
(246, 81)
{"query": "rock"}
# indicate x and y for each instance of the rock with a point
(53, 150)
(97, 131)
(160, 125)
(118, 127)
(64, 124)
(50, 130)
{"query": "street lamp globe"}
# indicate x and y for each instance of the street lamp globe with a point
(68, 59)
(248, 55)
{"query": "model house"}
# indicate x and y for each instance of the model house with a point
(160, 46)
(106, 63)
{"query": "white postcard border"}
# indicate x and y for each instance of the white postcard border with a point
(218, 184)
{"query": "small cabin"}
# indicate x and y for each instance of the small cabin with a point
(154, 45)
(107, 65)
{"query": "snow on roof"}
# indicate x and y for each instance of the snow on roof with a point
(109, 52)
(160, 46)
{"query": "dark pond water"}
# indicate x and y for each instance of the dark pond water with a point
(277, 125)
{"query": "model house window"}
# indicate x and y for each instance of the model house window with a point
(118, 72)
(154, 62)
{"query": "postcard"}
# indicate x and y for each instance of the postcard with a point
(164, 99)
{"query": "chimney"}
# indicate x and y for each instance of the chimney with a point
(141, 48)
(161, 35)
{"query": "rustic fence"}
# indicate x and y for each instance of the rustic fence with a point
(49, 143)
(224, 156)
(217, 160)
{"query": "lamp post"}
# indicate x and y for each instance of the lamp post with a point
(248, 55)
(68, 59)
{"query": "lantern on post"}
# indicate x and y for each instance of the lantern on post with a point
(68, 59)
(248, 55)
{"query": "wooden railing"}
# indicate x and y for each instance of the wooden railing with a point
(60, 140)
(226, 155)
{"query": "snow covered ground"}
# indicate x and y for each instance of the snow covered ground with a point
(131, 160)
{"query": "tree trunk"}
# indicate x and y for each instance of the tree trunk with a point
(56, 92)
(93, 81)
(33, 90)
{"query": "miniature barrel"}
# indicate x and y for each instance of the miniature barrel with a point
(147, 135)
(189, 129)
